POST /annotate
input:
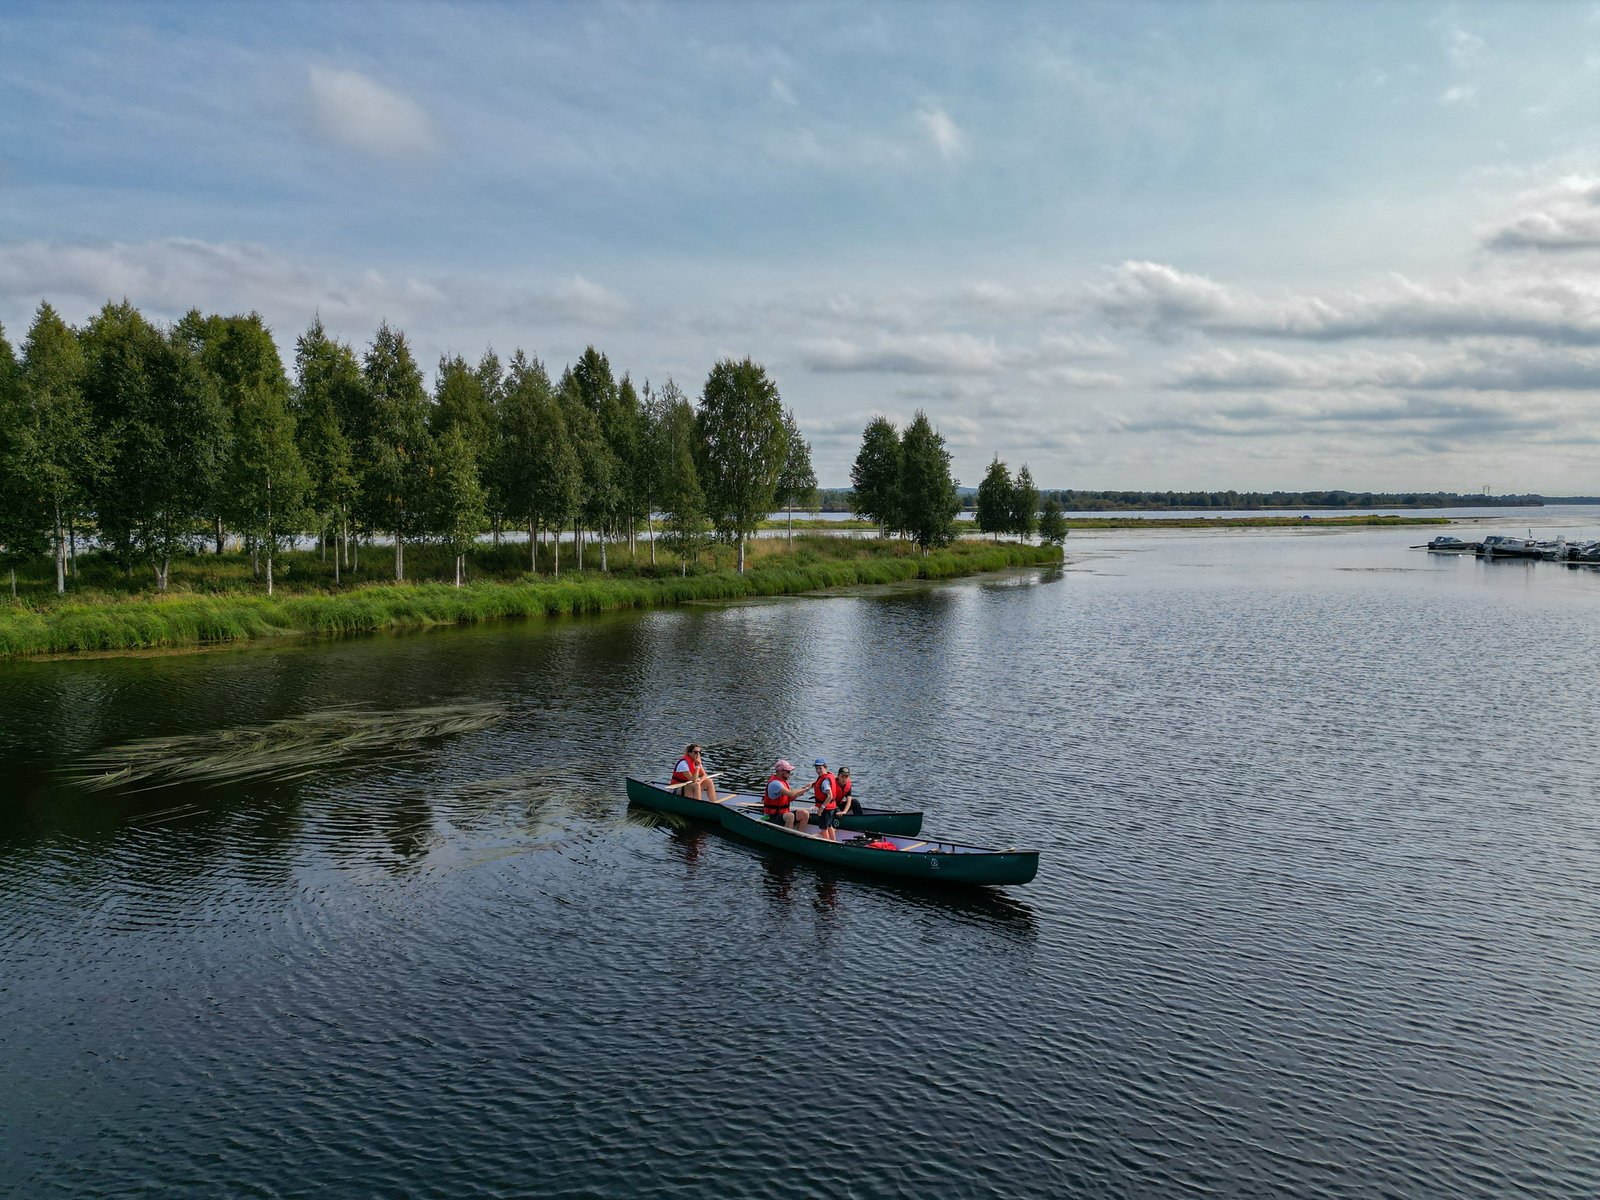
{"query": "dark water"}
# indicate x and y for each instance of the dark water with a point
(1317, 914)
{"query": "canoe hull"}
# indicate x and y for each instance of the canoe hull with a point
(648, 795)
(934, 862)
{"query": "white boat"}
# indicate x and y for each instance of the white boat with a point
(1445, 544)
(1502, 545)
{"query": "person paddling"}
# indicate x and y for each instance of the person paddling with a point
(691, 773)
(825, 792)
(775, 801)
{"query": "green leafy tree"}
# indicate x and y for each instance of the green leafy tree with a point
(459, 512)
(995, 497)
(538, 471)
(928, 497)
(394, 466)
(797, 485)
(742, 448)
(1024, 505)
(681, 498)
(624, 427)
(199, 334)
(327, 395)
(491, 379)
(265, 482)
(583, 393)
(165, 432)
(22, 493)
(51, 390)
(875, 476)
(1052, 524)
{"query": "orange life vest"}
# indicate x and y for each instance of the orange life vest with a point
(774, 806)
(827, 803)
(680, 774)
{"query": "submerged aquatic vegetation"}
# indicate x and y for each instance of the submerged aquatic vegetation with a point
(277, 751)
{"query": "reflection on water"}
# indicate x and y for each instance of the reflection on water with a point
(1314, 917)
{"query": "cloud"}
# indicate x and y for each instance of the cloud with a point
(1510, 368)
(1370, 418)
(1465, 50)
(1459, 94)
(166, 278)
(363, 115)
(1565, 216)
(915, 354)
(945, 134)
(781, 92)
(1163, 301)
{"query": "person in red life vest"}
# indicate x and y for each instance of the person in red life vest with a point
(825, 794)
(775, 801)
(691, 772)
(848, 805)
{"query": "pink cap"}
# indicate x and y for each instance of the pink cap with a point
(783, 764)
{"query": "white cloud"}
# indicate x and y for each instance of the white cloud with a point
(1565, 216)
(1465, 50)
(363, 115)
(1163, 300)
(917, 354)
(1509, 367)
(166, 278)
(945, 134)
(1460, 94)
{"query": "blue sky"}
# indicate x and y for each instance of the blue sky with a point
(1146, 245)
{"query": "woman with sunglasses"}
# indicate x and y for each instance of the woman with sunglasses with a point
(691, 773)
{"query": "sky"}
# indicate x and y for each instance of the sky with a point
(1148, 245)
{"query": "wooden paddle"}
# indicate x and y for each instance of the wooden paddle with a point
(672, 787)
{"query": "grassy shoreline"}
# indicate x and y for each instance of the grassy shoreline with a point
(183, 620)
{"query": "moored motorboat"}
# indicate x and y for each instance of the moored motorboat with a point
(1446, 544)
(1500, 545)
(931, 859)
(664, 799)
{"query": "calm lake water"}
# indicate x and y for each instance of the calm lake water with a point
(1318, 912)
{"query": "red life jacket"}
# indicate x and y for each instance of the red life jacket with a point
(831, 802)
(679, 775)
(845, 787)
(774, 807)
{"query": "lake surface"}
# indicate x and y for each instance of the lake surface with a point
(1318, 912)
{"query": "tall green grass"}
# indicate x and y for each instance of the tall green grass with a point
(111, 622)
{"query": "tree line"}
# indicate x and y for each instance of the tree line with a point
(152, 441)
(1081, 500)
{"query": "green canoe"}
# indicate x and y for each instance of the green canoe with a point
(913, 858)
(653, 795)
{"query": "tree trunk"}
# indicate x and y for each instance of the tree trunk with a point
(533, 545)
(555, 552)
(650, 524)
(577, 540)
(603, 567)
(72, 546)
(269, 568)
(741, 554)
(399, 555)
(791, 525)
(220, 539)
(13, 583)
(344, 532)
(459, 557)
(61, 555)
(255, 557)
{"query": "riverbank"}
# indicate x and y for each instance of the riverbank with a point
(179, 620)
